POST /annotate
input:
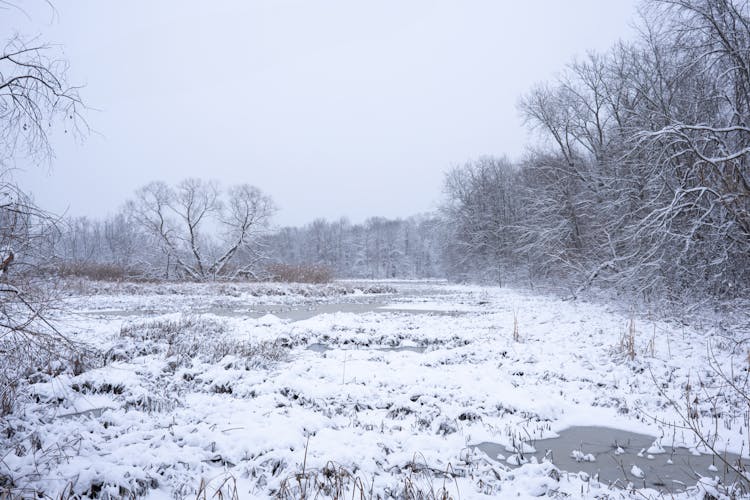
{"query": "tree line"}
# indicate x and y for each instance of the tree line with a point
(376, 249)
(196, 231)
(637, 180)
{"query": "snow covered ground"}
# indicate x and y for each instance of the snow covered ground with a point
(199, 388)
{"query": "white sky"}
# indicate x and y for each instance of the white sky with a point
(332, 107)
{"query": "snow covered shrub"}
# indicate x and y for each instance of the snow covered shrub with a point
(249, 355)
(27, 360)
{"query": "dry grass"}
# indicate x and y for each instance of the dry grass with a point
(74, 489)
(652, 344)
(336, 481)
(332, 481)
(627, 340)
(192, 337)
(83, 287)
(300, 273)
(95, 271)
(223, 487)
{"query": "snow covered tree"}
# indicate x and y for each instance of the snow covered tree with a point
(378, 248)
(482, 211)
(702, 144)
(200, 228)
(640, 179)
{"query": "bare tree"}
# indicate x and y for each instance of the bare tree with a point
(378, 248)
(198, 229)
(703, 148)
(245, 218)
(641, 177)
(34, 96)
(482, 210)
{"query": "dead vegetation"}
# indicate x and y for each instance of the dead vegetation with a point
(300, 273)
(222, 487)
(337, 482)
(720, 397)
(189, 338)
(85, 287)
(628, 340)
(96, 271)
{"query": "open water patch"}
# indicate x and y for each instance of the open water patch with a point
(620, 457)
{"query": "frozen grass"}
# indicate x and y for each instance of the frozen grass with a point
(189, 338)
(162, 297)
(232, 289)
(337, 482)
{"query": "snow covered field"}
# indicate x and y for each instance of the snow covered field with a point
(201, 388)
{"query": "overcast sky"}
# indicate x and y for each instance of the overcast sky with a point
(334, 108)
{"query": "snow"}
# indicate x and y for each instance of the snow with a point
(236, 398)
(655, 449)
(579, 456)
(432, 306)
(637, 472)
(522, 447)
